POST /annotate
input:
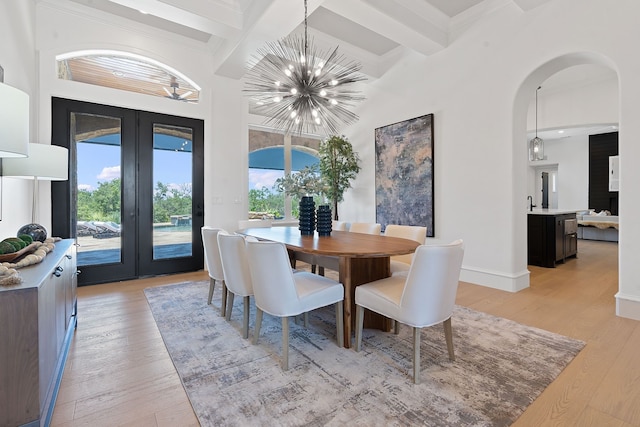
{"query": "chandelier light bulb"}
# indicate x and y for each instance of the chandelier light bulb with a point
(288, 73)
(317, 120)
(277, 99)
(294, 91)
(277, 83)
(323, 92)
(334, 102)
(297, 120)
(314, 113)
(318, 71)
(334, 82)
(293, 114)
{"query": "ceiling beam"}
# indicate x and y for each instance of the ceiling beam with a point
(393, 20)
(265, 20)
(229, 27)
(526, 5)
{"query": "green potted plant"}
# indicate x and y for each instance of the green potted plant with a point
(330, 178)
(339, 165)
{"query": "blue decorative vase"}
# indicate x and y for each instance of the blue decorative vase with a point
(323, 220)
(307, 218)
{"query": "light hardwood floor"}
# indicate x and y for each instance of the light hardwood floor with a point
(119, 372)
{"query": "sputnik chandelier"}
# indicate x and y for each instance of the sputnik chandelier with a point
(301, 90)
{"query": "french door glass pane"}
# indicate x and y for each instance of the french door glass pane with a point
(172, 194)
(98, 194)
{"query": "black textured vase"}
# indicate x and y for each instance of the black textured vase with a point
(323, 221)
(307, 217)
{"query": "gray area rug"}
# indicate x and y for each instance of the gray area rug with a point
(500, 368)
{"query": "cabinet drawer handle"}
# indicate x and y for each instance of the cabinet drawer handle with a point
(59, 268)
(57, 273)
(68, 256)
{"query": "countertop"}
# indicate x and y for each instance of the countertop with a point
(550, 212)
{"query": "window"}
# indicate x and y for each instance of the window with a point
(127, 71)
(271, 156)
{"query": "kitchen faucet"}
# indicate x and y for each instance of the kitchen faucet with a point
(531, 205)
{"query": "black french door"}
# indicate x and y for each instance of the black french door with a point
(134, 200)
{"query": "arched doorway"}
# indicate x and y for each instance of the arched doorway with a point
(520, 158)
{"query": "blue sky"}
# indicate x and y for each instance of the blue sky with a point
(259, 178)
(101, 163)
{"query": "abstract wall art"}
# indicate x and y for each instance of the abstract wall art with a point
(404, 173)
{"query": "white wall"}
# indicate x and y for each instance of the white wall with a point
(65, 28)
(568, 104)
(479, 89)
(17, 57)
(571, 155)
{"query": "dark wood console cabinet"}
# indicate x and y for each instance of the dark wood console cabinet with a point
(37, 319)
(552, 238)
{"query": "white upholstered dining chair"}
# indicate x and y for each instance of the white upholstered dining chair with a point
(213, 263)
(401, 263)
(339, 225)
(325, 261)
(237, 276)
(332, 262)
(424, 297)
(254, 223)
(281, 293)
(365, 227)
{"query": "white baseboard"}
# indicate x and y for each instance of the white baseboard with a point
(496, 279)
(628, 306)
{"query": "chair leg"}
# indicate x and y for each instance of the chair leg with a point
(416, 355)
(245, 323)
(212, 285)
(448, 335)
(223, 306)
(305, 317)
(285, 343)
(340, 323)
(230, 296)
(359, 323)
(256, 333)
(321, 271)
(396, 327)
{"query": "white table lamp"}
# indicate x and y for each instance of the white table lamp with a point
(45, 162)
(14, 122)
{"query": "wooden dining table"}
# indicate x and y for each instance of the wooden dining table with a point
(362, 258)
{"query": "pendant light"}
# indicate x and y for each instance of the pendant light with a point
(536, 145)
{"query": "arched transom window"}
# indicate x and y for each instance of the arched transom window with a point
(127, 71)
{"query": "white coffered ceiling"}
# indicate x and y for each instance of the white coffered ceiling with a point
(372, 32)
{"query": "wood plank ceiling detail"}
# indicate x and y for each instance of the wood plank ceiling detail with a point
(127, 74)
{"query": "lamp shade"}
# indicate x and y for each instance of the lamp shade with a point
(14, 122)
(45, 162)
